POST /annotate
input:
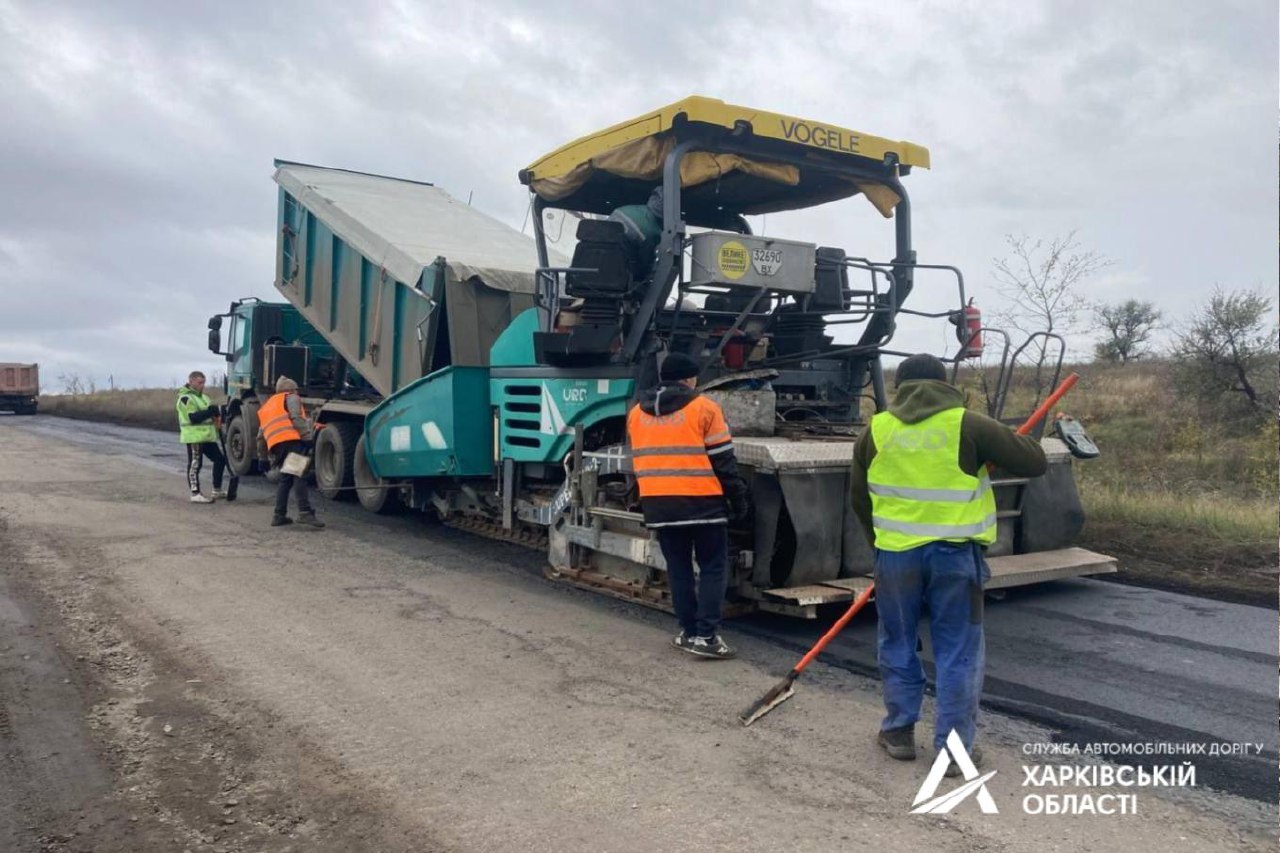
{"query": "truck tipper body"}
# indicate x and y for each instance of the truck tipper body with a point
(19, 388)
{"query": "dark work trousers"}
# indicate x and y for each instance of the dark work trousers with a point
(195, 459)
(698, 605)
(946, 578)
(288, 482)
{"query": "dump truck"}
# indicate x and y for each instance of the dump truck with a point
(472, 372)
(19, 388)
(354, 333)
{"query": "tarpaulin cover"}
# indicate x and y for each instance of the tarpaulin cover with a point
(642, 159)
(357, 255)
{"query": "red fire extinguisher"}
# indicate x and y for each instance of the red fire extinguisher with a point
(970, 334)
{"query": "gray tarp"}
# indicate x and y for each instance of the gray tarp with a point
(405, 225)
(384, 314)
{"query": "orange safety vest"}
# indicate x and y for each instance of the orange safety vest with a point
(669, 452)
(276, 425)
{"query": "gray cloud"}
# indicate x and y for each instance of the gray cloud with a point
(138, 136)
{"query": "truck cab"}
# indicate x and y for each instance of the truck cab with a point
(261, 342)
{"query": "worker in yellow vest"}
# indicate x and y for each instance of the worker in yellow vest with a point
(285, 428)
(919, 487)
(198, 432)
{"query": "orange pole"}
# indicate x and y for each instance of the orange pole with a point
(1049, 403)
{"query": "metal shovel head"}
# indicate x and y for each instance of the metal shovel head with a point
(775, 697)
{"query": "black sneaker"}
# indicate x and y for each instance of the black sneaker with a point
(953, 769)
(711, 647)
(899, 743)
(280, 520)
(682, 641)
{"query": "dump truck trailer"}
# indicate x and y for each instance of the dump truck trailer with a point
(19, 388)
(388, 281)
(474, 373)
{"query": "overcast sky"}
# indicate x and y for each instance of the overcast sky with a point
(137, 137)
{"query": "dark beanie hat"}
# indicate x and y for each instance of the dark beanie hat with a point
(920, 366)
(677, 365)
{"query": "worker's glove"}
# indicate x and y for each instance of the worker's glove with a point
(739, 509)
(212, 410)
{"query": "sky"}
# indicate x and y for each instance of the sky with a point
(138, 137)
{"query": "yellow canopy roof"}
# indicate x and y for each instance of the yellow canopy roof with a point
(621, 164)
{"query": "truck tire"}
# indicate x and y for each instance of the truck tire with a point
(242, 436)
(369, 487)
(335, 457)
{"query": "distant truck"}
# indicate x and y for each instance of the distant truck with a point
(19, 387)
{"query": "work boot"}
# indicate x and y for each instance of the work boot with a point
(710, 647)
(310, 520)
(899, 743)
(280, 520)
(953, 769)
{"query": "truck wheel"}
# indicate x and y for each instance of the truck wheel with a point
(242, 433)
(369, 487)
(335, 455)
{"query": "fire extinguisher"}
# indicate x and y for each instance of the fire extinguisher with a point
(970, 333)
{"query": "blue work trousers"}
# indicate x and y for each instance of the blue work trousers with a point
(946, 579)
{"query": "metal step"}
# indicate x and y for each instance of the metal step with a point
(1023, 569)
(1014, 570)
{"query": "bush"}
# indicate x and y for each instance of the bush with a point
(1226, 357)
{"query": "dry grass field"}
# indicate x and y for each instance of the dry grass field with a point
(143, 407)
(1185, 495)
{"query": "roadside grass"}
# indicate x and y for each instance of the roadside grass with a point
(143, 407)
(1183, 493)
(1220, 519)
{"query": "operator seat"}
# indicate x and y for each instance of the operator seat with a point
(602, 248)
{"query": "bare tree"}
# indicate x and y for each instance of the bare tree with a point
(1127, 327)
(71, 383)
(1228, 348)
(1040, 282)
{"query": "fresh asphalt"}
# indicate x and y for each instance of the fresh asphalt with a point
(1096, 662)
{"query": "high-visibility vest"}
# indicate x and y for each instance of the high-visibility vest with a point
(190, 402)
(276, 425)
(670, 454)
(919, 494)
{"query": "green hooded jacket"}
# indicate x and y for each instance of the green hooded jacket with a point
(982, 440)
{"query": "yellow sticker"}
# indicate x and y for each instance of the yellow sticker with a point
(734, 260)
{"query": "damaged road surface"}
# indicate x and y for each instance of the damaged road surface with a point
(184, 677)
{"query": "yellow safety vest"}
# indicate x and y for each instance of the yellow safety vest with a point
(189, 402)
(919, 494)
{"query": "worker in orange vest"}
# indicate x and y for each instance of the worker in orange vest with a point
(285, 428)
(682, 456)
